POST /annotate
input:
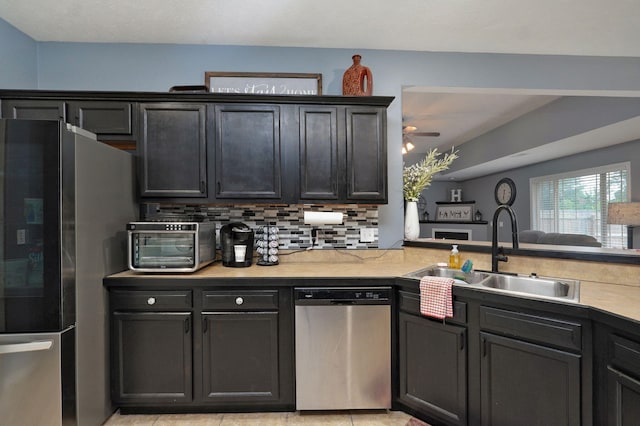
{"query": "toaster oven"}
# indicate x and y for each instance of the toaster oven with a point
(170, 246)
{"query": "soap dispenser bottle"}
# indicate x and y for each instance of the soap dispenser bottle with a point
(454, 258)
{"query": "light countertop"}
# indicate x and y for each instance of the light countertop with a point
(614, 297)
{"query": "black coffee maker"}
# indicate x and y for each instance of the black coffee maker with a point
(236, 240)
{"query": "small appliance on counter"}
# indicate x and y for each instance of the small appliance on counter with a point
(236, 241)
(170, 246)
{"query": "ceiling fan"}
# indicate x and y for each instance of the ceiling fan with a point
(411, 130)
(407, 143)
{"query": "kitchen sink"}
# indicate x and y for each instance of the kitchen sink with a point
(536, 286)
(519, 285)
(473, 277)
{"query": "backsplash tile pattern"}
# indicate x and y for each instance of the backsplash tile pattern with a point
(294, 234)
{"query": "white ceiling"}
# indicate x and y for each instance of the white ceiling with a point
(562, 27)
(556, 27)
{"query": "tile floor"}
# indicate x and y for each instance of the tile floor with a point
(320, 418)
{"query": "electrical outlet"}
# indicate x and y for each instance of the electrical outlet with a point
(367, 235)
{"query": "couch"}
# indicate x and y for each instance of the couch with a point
(541, 237)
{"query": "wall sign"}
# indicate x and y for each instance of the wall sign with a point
(263, 83)
(457, 213)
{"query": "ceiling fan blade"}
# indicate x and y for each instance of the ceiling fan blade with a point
(435, 134)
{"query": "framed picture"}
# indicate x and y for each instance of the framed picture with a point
(455, 213)
(263, 83)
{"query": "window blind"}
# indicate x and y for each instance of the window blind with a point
(576, 202)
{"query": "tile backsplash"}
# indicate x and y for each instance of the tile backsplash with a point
(293, 233)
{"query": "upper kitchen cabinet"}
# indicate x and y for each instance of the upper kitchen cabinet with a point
(110, 120)
(172, 150)
(34, 109)
(248, 151)
(342, 154)
(366, 154)
(320, 165)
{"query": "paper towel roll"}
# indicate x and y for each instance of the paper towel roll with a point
(322, 218)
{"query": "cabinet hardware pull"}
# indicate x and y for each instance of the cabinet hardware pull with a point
(205, 326)
(203, 186)
(462, 339)
(239, 300)
(151, 301)
(484, 347)
(187, 326)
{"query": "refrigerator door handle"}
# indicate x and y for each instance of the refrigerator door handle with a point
(26, 347)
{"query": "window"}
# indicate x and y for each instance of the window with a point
(576, 202)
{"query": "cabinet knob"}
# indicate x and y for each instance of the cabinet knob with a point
(151, 301)
(239, 300)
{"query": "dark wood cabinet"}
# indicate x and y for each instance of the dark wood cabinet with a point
(222, 148)
(110, 120)
(321, 166)
(366, 154)
(34, 109)
(617, 381)
(432, 362)
(248, 150)
(202, 349)
(151, 347)
(240, 353)
(526, 382)
(173, 150)
(433, 368)
(343, 154)
(530, 368)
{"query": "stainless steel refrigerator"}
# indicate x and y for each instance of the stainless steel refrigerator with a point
(64, 201)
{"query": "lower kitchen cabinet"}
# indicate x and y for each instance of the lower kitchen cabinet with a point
(617, 382)
(524, 382)
(201, 349)
(151, 355)
(241, 346)
(433, 368)
(151, 346)
(530, 369)
(432, 362)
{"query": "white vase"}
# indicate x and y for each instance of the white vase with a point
(411, 221)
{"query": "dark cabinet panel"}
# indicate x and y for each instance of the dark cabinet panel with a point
(366, 154)
(151, 357)
(247, 152)
(173, 150)
(319, 148)
(433, 368)
(240, 357)
(623, 405)
(33, 109)
(112, 119)
(521, 380)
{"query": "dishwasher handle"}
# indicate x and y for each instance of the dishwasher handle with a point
(13, 348)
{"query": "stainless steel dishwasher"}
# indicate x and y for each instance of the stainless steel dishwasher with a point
(343, 348)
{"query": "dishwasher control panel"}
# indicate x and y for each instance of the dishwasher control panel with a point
(343, 295)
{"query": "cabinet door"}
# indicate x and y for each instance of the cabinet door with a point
(247, 140)
(34, 109)
(623, 392)
(107, 119)
(433, 368)
(524, 382)
(151, 357)
(173, 150)
(319, 168)
(240, 357)
(366, 154)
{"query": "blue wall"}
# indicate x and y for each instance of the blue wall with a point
(18, 58)
(156, 67)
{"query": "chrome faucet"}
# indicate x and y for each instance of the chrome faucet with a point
(497, 254)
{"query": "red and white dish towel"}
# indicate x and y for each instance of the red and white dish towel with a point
(435, 297)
